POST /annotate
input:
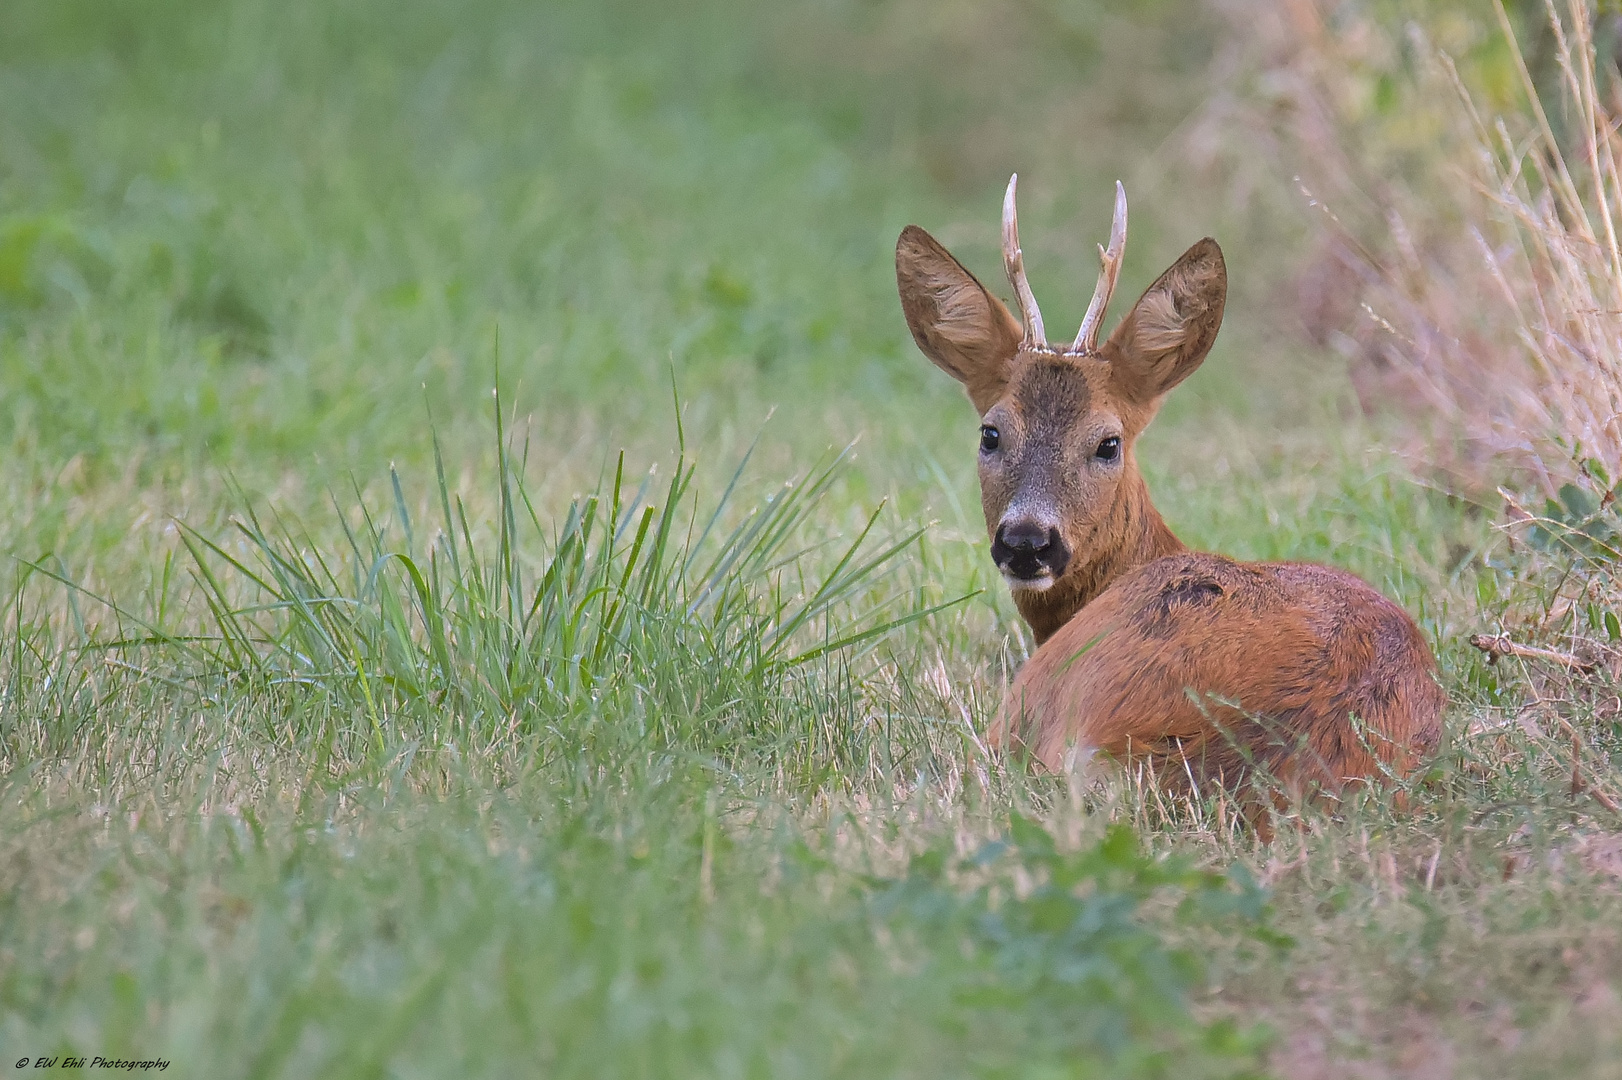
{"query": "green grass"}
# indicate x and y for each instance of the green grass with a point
(356, 722)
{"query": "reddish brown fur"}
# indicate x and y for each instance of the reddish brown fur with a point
(1201, 667)
(1227, 666)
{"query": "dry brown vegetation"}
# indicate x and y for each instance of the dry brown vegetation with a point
(1466, 206)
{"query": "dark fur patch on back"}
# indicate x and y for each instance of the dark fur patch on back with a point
(1160, 617)
(1189, 590)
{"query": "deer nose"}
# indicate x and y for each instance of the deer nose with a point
(1029, 550)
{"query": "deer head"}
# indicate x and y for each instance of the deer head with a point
(1064, 502)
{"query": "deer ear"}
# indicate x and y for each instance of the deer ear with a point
(966, 331)
(1172, 326)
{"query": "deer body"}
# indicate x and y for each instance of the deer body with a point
(1201, 667)
(1206, 668)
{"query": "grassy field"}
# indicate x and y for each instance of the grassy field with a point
(493, 588)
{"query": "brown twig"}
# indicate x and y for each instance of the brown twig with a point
(1580, 785)
(1498, 646)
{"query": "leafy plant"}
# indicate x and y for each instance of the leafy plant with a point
(1579, 523)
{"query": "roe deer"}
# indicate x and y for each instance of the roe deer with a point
(1201, 667)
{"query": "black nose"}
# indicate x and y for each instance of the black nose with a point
(1029, 550)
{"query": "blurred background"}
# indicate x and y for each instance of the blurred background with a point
(278, 238)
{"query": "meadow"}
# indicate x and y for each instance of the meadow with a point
(493, 589)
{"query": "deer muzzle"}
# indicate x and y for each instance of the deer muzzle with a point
(1031, 554)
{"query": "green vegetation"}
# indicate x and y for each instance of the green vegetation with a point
(357, 722)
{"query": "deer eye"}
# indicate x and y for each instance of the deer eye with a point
(1109, 449)
(990, 437)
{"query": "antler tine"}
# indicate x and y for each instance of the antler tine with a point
(1013, 260)
(1109, 261)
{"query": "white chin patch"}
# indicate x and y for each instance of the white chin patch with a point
(1037, 584)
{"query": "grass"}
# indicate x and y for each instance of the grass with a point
(354, 722)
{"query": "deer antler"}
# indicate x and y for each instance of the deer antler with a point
(1013, 260)
(1109, 261)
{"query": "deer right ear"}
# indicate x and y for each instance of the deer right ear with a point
(966, 331)
(1173, 325)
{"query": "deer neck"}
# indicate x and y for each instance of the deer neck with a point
(1131, 535)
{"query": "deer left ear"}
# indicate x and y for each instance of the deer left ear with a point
(1172, 326)
(960, 326)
